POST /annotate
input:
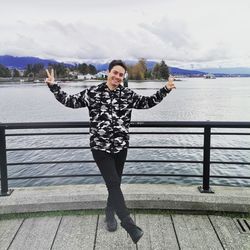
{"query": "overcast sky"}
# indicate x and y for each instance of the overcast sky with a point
(187, 34)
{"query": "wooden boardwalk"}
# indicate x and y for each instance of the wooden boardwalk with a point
(161, 232)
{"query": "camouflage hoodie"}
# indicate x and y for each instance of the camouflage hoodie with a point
(109, 112)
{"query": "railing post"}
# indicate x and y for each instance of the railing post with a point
(205, 188)
(3, 164)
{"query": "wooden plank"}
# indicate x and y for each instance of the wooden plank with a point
(8, 229)
(158, 232)
(112, 240)
(76, 232)
(36, 233)
(229, 234)
(195, 232)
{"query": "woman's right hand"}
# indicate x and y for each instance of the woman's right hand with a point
(50, 77)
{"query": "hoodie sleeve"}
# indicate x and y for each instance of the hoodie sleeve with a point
(79, 100)
(146, 102)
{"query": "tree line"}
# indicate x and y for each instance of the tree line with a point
(37, 70)
(138, 71)
(5, 72)
(61, 70)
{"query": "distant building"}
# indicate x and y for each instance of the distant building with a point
(21, 71)
(86, 77)
(73, 73)
(102, 74)
(209, 76)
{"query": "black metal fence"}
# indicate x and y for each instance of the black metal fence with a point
(205, 126)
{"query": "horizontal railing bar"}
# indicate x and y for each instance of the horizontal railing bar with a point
(48, 162)
(44, 148)
(85, 133)
(230, 133)
(132, 133)
(53, 176)
(229, 148)
(149, 175)
(230, 177)
(95, 175)
(40, 125)
(87, 147)
(197, 124)
(136, 161)
(56, 133)
(231, 162)
(131, 147)
(91, 161)
(166, 133)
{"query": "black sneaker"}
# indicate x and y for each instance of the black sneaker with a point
(111, 223)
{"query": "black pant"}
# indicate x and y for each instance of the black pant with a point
(111, 168)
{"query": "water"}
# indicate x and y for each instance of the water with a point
(221, 99)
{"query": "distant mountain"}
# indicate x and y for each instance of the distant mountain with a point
(150, 65)
(21, 63)
(100, 66)
(229, 71)
(104, 66)
(178, 71)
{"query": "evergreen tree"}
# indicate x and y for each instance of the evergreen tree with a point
(143, 65)
(92, 70)
(4, 71)
(82, 68)
(34, 69)
(16, 73)
(37, 67)
(28, 70)
(164, 70)
(148, 74)
(156, 71)
(60, 69)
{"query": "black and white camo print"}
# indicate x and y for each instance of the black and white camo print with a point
(109, 112)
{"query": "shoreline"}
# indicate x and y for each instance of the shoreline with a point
(178, 78)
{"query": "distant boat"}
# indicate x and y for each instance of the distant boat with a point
(177, 79)
(36, 81)
(209, 76)
(21, 80)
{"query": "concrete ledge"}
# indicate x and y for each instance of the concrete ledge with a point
(141, 196)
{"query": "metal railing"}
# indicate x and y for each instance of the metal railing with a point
(206, 126)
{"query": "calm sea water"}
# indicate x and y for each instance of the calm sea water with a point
(221, 99)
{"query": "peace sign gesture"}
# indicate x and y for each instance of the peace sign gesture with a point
(170, 84)
(50, 77)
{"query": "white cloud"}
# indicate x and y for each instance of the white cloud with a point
(184, 33)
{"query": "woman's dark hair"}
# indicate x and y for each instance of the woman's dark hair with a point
(117, 62)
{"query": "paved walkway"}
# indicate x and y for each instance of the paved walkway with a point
(161, 232)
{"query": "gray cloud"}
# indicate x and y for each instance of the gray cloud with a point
(171, 30)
